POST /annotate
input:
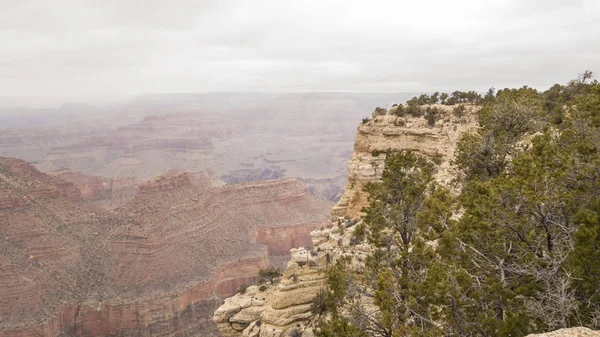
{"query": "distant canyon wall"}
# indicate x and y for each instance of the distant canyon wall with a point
(156, 266)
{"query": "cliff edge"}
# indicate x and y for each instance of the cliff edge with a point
(285, 309)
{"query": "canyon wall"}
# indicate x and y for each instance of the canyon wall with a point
(285, 309)
(233, 138)
(106, 192)
(156, 266)
(389, 132)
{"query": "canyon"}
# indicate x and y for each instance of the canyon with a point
(285, 309)
(289, 307)
(140, 221)
(225, 137)
(156, 265)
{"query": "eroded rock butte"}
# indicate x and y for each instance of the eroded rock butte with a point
(156, 266)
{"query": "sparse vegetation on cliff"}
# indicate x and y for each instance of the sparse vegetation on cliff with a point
(516, 252)
(270, 274)
(456, 97)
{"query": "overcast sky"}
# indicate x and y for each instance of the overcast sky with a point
(71, 49)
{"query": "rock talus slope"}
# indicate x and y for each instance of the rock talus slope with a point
(156, 266)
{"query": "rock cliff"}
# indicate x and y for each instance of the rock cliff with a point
(156, 266)
(238, 137)
(380, 133)
(285, 309)
(280, 310)
(102, 191)
(571, 332)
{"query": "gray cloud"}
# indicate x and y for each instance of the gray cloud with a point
(72, 48)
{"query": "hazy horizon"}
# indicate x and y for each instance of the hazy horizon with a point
(78, 51)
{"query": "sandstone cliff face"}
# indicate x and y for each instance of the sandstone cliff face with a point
(375, 137)
(101, 191)
(282, 309)
(285, 309)
(240, 137)
(157, 266)
(571, 332)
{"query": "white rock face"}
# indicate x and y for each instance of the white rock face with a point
(438, 142)
(571, 332)
(281, 309)
(285, 307)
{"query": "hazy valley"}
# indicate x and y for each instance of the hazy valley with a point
(299, 168)
(224, 138)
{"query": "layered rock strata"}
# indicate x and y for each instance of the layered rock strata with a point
(157, 266)
(285, 309)
(389, 132)
(570, 332)
(102, 191)
(279, 310)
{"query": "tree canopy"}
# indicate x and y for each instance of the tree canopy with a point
(517, 252)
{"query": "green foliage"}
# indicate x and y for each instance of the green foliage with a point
(395, 202)
(459, 110)
(431, 115)
(588, 105)
(443, 98)
(456, 97)
(413, 108)
(270, 274)
(242, 289)
(585, 261)
(341, 226)
(400, 111)
(359, 234)
(523, 254)
(379, 112)
(337, 280)
(376, 153)
(339, 328)
(365, 120)
(322, 302)
(504, 121)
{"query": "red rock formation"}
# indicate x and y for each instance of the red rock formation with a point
(156, 266)
(281, 240)
(105, 192)
(166, 182)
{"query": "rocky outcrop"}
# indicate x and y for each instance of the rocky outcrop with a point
(166, 182)
(102, 191)
(239, 137)
(33, 183)
(571, 332)
(280, 309)
(284, 309)
(157, 266)
(389, 132)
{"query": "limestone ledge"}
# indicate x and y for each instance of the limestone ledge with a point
(284, 309)
(281, 309)
(570, 332)
(383, 132)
